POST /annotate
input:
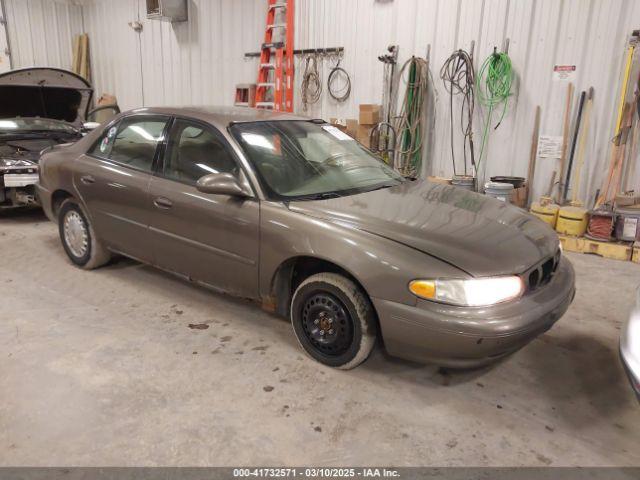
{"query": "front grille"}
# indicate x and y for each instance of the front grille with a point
(542, 273)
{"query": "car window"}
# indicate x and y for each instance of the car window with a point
(136, 141)
(195, 151)
(102, 148)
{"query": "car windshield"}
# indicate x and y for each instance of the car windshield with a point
(16, 125)
(298, 160)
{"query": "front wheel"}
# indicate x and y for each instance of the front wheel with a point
(78, 238)
(333, 320)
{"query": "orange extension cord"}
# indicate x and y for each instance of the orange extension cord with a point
(600, 226)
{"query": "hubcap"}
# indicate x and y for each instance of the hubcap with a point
(327, 324)
(75, 234)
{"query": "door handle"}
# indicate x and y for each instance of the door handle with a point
(162, 202)
(87, 179)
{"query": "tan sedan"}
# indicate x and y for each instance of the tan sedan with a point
(295, 214)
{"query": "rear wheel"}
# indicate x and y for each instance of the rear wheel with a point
(78, 238)
(333, 320)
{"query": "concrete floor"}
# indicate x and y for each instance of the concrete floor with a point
(102, 368)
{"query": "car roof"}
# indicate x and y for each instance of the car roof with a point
(222, 116)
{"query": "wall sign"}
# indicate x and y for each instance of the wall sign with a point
(564, 72)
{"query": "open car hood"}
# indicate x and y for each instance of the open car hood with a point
(45, 92)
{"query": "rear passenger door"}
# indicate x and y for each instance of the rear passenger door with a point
(113, 180)
(210, 238)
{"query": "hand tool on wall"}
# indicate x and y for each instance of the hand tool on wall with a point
(584, 133)
(574, 143)
(383, 135)
(533, 154)
(565, 140)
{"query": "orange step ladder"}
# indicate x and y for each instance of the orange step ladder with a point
(274, 89)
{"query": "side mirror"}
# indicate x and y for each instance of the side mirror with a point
(222, 184)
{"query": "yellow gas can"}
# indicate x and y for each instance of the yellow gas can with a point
(572, 221)
(547, 213)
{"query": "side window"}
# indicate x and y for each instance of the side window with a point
(195, 151)
(136, 141)
(102, 148)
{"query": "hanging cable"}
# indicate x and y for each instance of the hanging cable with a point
(311, 83)
(493, 86)
(458, 77)
(410, 122)
(342, 92)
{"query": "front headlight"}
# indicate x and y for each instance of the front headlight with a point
(473, 292)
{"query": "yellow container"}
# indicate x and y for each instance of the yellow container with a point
(546, 213)
(572, 221)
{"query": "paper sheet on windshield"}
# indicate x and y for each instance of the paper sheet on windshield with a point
(336, 132)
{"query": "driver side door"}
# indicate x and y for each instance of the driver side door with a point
(211, 239)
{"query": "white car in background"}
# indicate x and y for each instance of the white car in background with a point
(630, 346)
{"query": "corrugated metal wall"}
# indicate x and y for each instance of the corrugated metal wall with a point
(41, 31)
(200, 61)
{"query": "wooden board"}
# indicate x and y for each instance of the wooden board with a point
(613, 250)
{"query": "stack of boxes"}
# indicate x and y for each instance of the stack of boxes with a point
(369, 118)
(360, 130)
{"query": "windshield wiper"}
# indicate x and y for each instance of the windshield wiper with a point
(380, 187)
(318, 196)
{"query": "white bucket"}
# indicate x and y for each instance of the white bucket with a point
(501, 191)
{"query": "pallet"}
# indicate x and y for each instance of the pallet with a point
(613, 250)
(635, 256)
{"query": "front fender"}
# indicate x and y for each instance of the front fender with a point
(383, 267)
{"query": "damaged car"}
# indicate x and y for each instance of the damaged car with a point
(40, 108)
(297, 215)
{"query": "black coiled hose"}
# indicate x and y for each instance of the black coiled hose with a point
(458, 76)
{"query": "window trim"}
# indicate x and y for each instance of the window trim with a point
(156, 155)
(219, 135)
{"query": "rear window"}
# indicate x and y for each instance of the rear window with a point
(132, 142)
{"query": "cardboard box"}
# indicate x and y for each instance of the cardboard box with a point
(519, 196)
(352, 127)
(369, 114)
(363, 135)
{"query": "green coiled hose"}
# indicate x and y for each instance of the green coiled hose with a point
(493, 87)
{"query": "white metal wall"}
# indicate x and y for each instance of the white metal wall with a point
(41, 31)
(200, 61)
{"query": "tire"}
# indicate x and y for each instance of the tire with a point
(329, 302)
(87, 253)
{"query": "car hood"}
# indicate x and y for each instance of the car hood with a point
(45, 92)
(478, 234)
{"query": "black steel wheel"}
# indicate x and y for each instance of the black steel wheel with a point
(327, 323)
(333, 320)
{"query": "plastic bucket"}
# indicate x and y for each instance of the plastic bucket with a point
(572, 221)
(501, 191)
(546, 213)
(517, 182)
(463, 181)
(627, 225)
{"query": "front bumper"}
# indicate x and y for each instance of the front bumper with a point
(465, 337)
(630, 346)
